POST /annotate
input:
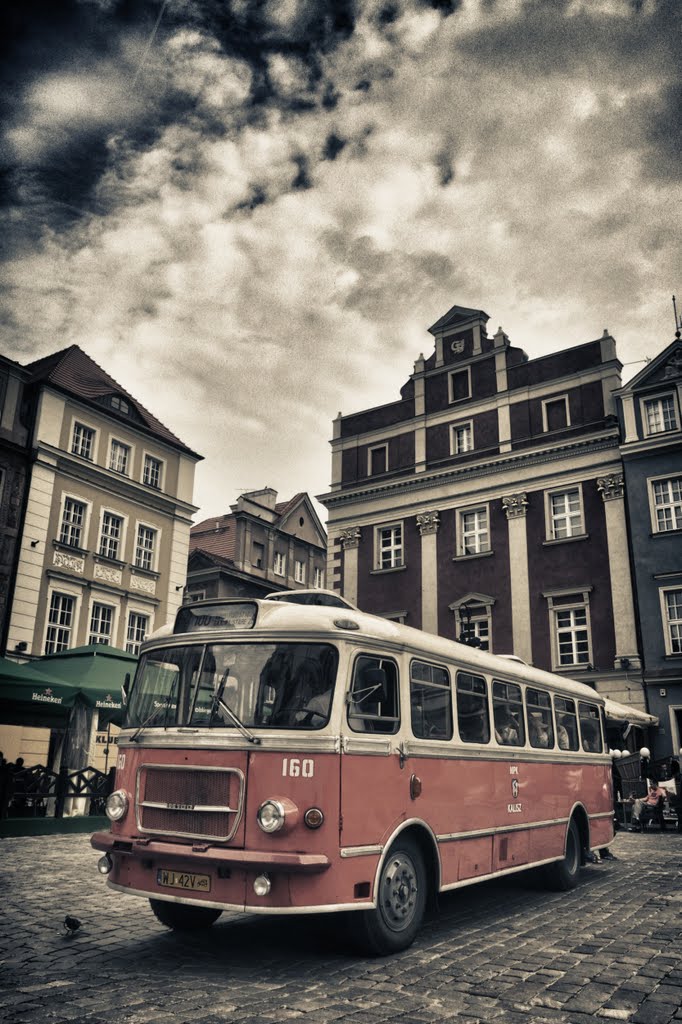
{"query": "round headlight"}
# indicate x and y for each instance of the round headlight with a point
(117, 805)
(271, 816)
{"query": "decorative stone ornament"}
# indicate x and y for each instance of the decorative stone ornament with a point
(350, 538)
(611, 487)
(515, 505)
(428, 522)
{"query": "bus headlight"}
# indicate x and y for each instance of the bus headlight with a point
(117, 805)
(274, 815)
(271, 816)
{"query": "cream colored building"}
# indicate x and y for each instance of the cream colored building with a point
(103, 552)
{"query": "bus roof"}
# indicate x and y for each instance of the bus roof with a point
(263, 616)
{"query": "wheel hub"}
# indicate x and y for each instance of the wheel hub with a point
(399, 892)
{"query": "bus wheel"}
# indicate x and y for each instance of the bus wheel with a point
(563, 874)
(182, 917)
(401, 900)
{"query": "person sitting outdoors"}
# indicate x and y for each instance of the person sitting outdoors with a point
(645, 808)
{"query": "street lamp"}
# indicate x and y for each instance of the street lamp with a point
(465, 636)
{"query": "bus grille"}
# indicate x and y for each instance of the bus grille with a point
(197, 803)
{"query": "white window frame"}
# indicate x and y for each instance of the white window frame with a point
(84, 529)
(299, 570)
(451, 391)
(96, 602)
(129, 457)
(132, 646)
(154, 549)
(673, 504)
(477, 533)
(318, 578)
(73, 595)
(120, 556)
(551, 401)
(659, 399)
(191, 596)
(574, 600)
(376, 448)
(279, 563)
(465, 425)
(550, 517)
(151, 456)
(78, 423)
(670, 626)
(395, 548)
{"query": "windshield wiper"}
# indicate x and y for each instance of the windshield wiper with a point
(148, 721)
(218, 702)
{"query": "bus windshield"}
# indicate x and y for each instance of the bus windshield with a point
(260, 685)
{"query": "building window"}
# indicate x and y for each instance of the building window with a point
(110, 537)
(195, 595)
(258, 555)
(667, 495)
(83, 441)
(101, 624)
(280, 564)
(564, 514)
(570, 628)
(474, 537)
(672, 605)
(59, 623)
(459, 385)
(73, 523)
(151, 474)
(660, 414)
(137, 631)
(145, 548)
(555, 413)
(120, 405)
(118, 459)
(461, 438)
(318, 579)
(388, 546)
(377, 460)
(299, 571)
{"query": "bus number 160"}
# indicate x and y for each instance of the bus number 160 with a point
(295, 767)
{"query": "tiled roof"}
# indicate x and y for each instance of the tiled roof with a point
(73, 371)
(214, 536)
(282, 507)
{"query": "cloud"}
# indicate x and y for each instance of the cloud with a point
(260, 232)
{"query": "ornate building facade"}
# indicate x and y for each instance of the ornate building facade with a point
(488, 503)
(105, 527)
(650, 409)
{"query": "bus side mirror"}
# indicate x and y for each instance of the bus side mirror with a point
(124, 689)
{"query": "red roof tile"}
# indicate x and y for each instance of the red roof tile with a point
(73, 371)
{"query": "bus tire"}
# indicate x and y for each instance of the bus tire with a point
(182, 917)
(401, 901)
(564, 873)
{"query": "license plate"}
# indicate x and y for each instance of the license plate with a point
(183, 880)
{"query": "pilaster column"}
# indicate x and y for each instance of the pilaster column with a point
(515, 506)
(612, 490)
(428, 524)
(350, 541)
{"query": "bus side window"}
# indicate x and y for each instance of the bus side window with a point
(373, 698)
(590, 730)
(430, 701)
(566, 723)
(473, 719)
(508, 714)
(540, 728)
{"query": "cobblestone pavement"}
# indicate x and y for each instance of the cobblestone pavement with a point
(503, 951)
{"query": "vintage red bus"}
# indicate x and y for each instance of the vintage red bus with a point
(281, 758)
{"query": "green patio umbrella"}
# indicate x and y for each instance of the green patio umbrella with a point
(28, 697)
(97, 671)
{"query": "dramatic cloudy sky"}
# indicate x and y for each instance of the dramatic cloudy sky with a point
(250, 211)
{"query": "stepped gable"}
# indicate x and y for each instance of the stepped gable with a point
(73, 371)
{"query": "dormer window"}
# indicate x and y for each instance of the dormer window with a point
(120, 404)
(377, 460)
(555, 414)
(459, 385)
(660, 414)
